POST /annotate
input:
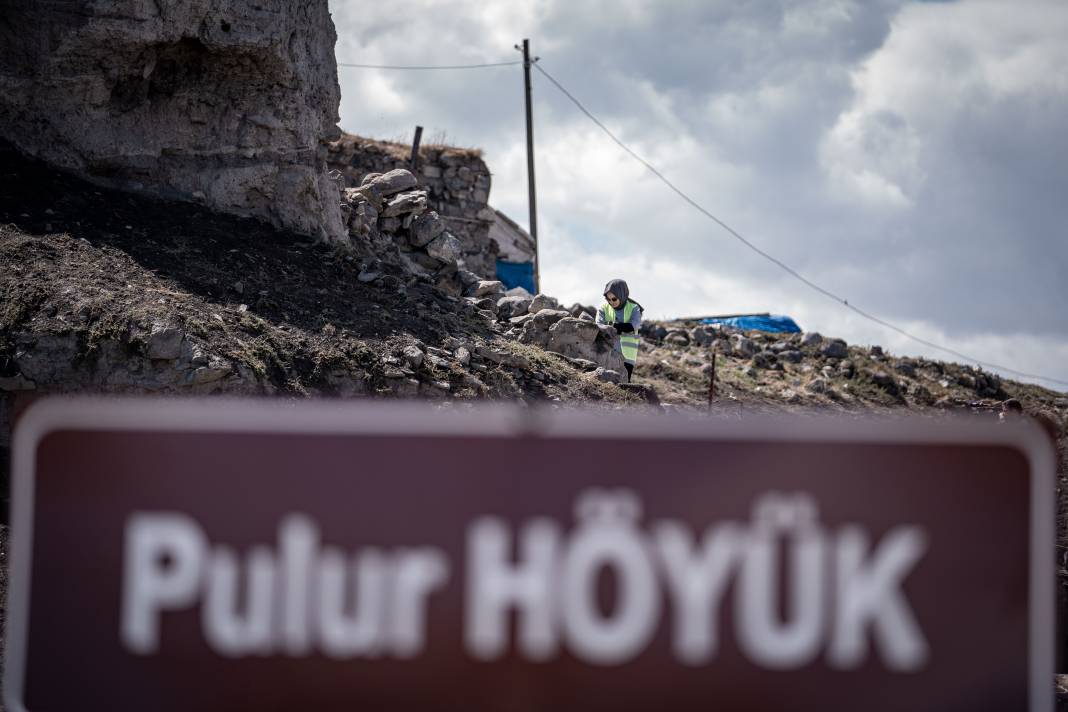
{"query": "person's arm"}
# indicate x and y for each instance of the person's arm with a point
(600, 315)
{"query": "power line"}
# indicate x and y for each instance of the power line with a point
(428, 66)
(830, 295)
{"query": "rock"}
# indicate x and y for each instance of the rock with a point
(742, 346)
(387, 184)
(413, 355)
(585, 316)
(812, 339)
(510, 306)
(778, 347)
(967, 380)
(578, 338)
(846, 369)
(905, 368)
(817, 385)
(424, 228)
(548, 317)
(875, 351)
(217, 370)
(705, 335)
(483, 304)
(411, 202)
(366, 194)
(487, 288)
(607, 375)
(463, 356)
(765, 360)
(884, 381)
(677, 337)
(791, 356)
(389, 225)
(535, 333)
(518, 292)
(504, 358)
(521, 319)
(368, 275)
(582, 364)
(222, 103)
(164, 343)
(651, 331)
(577, 310)
(352, 197)
(362, 220)
(444, 247)
(835, 349)
(446, 282)
(467, 278)
(542, 301)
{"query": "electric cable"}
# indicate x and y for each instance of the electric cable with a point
(430, 66)
(830, 295)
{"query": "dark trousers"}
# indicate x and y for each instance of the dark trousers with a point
(630, 370)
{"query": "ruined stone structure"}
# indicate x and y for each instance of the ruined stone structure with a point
(218, 102)
(457, 182)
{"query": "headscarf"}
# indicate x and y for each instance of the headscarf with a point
(619, 288)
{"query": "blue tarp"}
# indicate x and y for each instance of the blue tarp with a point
(762, 322)
(516, 274)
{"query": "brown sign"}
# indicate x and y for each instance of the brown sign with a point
(212, 555)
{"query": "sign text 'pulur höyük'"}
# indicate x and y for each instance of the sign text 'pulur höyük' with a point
(305, 597)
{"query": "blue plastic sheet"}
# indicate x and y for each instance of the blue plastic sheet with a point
(775, 323)
(516, 274)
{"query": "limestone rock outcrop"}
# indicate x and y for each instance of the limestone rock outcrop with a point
(220, 102)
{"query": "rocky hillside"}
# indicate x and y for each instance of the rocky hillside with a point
(112, 292)
(104, 291)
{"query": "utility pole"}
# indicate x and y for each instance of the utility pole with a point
(530, 164)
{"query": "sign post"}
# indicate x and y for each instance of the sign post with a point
(177, 555)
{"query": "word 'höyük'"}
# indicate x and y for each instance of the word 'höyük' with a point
(844, 593)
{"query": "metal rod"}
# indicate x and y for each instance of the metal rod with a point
(712, 382)
(530, 165)
(415, 148)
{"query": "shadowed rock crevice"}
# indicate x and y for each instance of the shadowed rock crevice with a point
(223, 104)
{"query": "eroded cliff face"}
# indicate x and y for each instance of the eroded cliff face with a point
(220, 102)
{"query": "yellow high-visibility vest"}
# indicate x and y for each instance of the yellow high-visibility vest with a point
(628, 343)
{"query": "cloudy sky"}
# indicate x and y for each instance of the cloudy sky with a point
(911, 157)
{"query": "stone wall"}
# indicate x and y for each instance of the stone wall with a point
(220, 102)
(457, 182)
